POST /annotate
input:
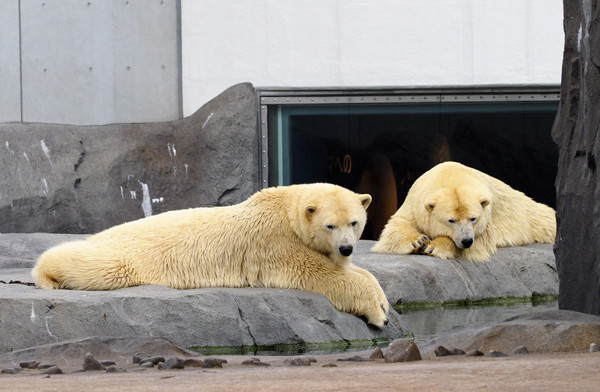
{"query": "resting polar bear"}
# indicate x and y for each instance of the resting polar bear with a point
(295, 237)
(454, 211)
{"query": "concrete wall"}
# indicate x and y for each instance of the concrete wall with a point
(10, 98)
(89, 62)
(321, 43)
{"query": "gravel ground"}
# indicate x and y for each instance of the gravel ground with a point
(528, 372)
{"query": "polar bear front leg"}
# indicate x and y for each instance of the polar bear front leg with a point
(349, 292)
(382, 298)
(442, 247)
(401, 236)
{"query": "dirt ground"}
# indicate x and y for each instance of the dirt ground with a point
(529, 372)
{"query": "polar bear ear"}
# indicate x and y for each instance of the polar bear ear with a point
(429, 206)
(484, 202)
(365, 200)
(309, 211)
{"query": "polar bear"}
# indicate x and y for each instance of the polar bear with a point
(293, 237)
(454, 211)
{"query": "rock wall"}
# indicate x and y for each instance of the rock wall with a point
(576, 132)
(83, 179)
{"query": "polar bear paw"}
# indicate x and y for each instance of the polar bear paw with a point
(441, 247)
(420, 242)
(376, 311)
(379, 321)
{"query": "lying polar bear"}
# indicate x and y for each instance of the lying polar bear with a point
(293, 237)
(454, 211)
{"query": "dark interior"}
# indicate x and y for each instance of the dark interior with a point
(383, 152)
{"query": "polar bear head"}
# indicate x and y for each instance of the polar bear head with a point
(461, 213)
(330, 219)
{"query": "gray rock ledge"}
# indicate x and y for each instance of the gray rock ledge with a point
(218, 317)
(212, 317)
(521, 271)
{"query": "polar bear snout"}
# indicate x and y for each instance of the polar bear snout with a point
(464, 236)
(344, 241)
(346, 250)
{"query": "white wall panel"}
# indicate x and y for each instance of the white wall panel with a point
(356, 43)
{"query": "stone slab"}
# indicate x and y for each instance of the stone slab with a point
(201, 317)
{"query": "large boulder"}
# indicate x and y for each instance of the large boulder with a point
(576, 132)
(82, 179)
(541, 332)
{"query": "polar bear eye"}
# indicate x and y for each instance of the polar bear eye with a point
(353, 223)
(330, 227)
(451, 221)
(473, 219)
